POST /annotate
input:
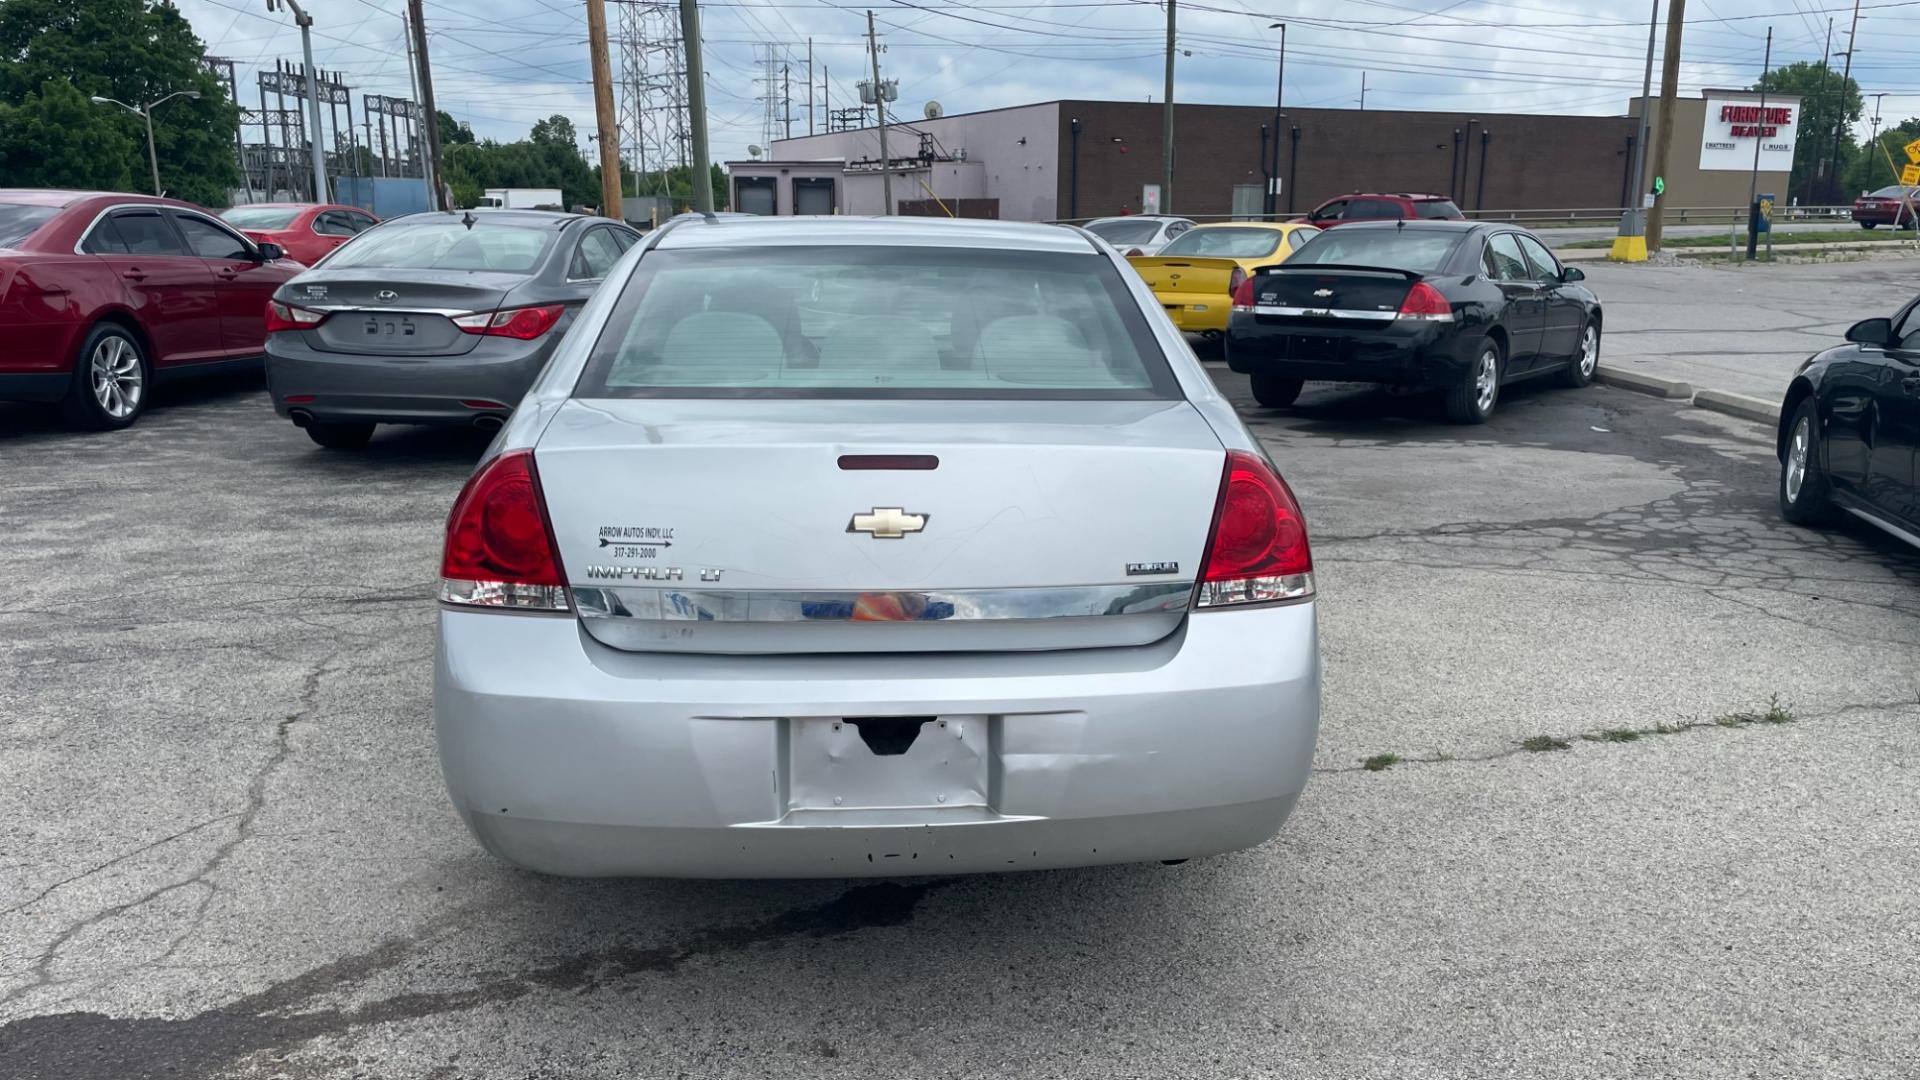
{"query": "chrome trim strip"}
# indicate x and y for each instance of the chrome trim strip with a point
(786, 606)
(335, 309)
(1874, 519)
(1323, 313)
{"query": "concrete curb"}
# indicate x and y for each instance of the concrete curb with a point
(1747, 408)
(1643, 384)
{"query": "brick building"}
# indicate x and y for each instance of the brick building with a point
(1081, 159)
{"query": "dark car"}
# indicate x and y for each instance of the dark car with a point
(1893, 205)
(305, 231)
(1850, 430)
(436, 318)
(1460, 307)
(1347, 209)
(103, 294)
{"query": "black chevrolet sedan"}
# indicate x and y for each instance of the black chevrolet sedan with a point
(1456, 306)
(1850, 430)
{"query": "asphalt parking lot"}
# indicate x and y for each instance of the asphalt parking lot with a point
(225, 851)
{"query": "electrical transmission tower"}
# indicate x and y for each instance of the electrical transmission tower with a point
(653, 79)
(775, 82)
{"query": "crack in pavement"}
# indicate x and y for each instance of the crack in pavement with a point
(1680, 727)
(89, 1045)
(244, 818)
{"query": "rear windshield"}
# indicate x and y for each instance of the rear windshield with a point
(1421, 250)
(1894, 192)
(260, 217)
(18, 221)
(447, 245)
(1125, 232)
(1436, 208)
(842, 322)
(1226, 242)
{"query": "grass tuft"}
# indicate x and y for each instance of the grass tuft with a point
(1380, 762)
(1541, 743)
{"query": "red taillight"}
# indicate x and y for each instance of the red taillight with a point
(1425, 302)
(500, 550)
(287, 317)
(524, 323)
(1258, 551)
(1243, 295)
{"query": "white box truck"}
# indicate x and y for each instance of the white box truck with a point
(524, 199)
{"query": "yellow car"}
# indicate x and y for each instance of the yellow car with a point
(1195, 275)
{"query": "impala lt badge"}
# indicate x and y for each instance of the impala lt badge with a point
(887, 523)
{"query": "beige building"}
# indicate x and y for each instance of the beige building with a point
(1712, 160)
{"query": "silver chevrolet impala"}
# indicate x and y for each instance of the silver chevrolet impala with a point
(844, 547)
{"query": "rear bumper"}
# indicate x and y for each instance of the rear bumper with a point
(1879, 215)
(403, 390)
(34, 386)
(568, 757)
(1405, 353)
(1196, 313)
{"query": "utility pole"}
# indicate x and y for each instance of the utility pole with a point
(1630, 244)
(1363, 91)
(701, 166)
(1826, 69)
(809, 86)
(1759, 140)
(610, 204)
(1875, 137)
(1279, 98)
(1166, 135)
(432, 114)
(880, 109)
(786, 99)
(1840, 118)
(1663, 137)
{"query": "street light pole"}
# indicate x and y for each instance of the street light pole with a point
(305, 22)
(145, 113)
(1630, 244)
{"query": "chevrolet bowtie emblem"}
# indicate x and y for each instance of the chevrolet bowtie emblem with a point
(887, 523)
(1323, 293)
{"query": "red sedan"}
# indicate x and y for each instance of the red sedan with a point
(305, 231)
(102, 294)
(1893, 205)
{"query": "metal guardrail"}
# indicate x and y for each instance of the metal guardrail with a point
(1561, 217)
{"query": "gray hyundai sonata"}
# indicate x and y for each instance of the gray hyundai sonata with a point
(441, 318)
(844, 547)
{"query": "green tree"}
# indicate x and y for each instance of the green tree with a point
(555, 130)
(1826, 100)
(452, 132)
(1876, 166)
(57, 138)
(136, 51)
(548, 158)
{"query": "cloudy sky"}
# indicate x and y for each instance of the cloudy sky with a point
(499, 65)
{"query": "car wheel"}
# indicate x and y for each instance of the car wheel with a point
(1586, 359)
(1867, 224)
(1275, 392)
(110, 380)
(1805, 498)
(1473, 399)
(340, 436)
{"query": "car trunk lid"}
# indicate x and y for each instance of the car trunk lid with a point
(389, 313)
(1347, 294)
(808, 526)
(1184, 278)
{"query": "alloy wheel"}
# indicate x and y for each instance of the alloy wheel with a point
(1486, 379)
(1589, 352)
(1797, 451)
(118, 380)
